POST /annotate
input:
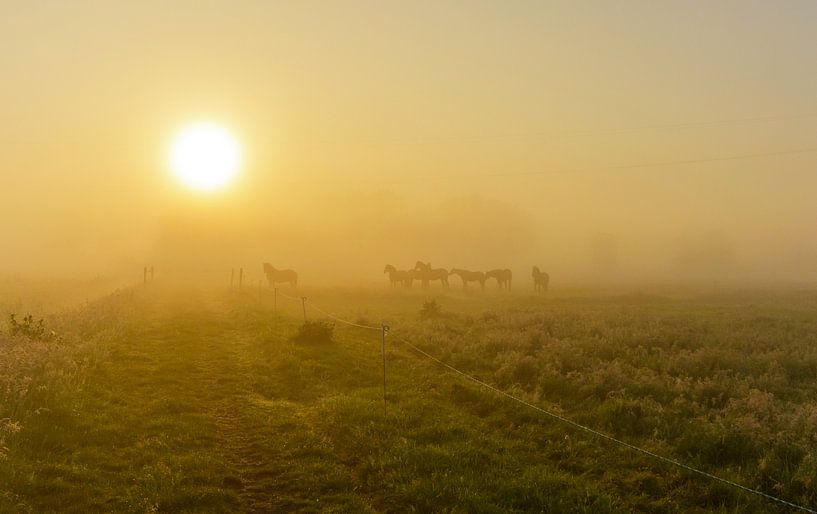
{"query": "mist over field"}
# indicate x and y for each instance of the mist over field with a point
(345, 237)
(398, 256)
(602, 143)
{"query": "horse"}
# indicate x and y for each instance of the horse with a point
(469, 276)
(280, 275)
(540, 280)
(503, 277)
(403, 277)
(424, 272)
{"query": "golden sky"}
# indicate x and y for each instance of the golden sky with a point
(368, 129)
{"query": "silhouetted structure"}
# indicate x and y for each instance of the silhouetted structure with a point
(503, 277)
(275, 276)
(469, 276)
(396, 276)
(540, 280)
(424, 272)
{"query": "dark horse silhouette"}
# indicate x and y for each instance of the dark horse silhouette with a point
(469, 276)
(540, 280)
(280, 275)
(396, 276)
(424, 272)
(503, 277)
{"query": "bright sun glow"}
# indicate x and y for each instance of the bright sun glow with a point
(205, 156)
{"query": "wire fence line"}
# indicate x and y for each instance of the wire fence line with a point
(667, 460)
(602, 435)
(341, 320)
(329, 315)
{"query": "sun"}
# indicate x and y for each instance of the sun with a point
(205, 156)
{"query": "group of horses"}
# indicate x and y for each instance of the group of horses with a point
(424, 273)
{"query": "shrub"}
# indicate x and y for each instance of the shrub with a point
(314, 332)
(431, 309)
(29, 328)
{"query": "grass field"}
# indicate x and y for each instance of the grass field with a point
(180, 399)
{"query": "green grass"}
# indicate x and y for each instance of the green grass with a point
(200, 401)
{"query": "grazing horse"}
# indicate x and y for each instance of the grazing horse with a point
(398, 276)
(503, 277)
(280, 275)
(469, 276)
(540, 280)
(424, 272)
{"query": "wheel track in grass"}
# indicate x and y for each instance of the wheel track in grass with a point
(263, 432)
(258, 444)
(188, 357)
(225, 379)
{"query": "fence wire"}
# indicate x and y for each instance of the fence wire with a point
(563, 419)
(607, 437)
(329, 315)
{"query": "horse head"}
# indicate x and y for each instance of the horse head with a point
(422, 266)
(389, 269)
(536, 271)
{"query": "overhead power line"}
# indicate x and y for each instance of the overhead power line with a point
(560, 135)
(418, 178)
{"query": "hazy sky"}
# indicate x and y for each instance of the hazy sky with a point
(368, 130)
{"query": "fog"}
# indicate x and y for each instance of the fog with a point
(604, 144)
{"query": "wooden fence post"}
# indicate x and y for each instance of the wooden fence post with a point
(383, 331)
(232, 277)
(145, 275)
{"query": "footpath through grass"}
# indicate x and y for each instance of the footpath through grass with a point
(202, 403)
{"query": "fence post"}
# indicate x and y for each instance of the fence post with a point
(240, 277)
(303, 304)
(151, 273)
(145, 275)
(383, 331)
(232, 277)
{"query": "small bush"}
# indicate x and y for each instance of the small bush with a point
(29, 328)
(431, 309)
(314, 332)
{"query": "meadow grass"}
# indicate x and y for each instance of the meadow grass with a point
(177, 400)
